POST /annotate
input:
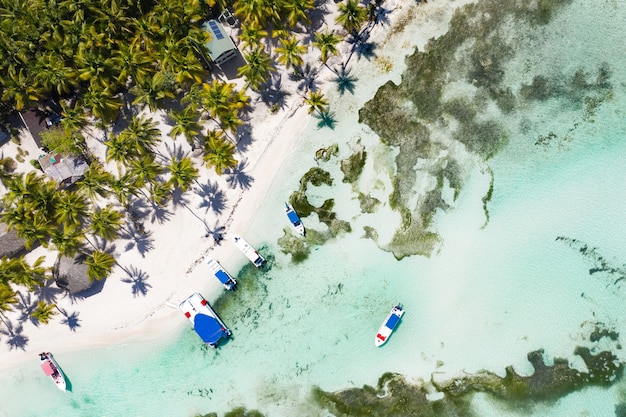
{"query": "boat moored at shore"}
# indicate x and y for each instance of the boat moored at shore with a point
(389, 325)
(220, 273)
(252, 254)
(51, 368)
(294, 219)
(204, 320)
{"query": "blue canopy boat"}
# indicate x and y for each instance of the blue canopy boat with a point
(204, 320)
(294, 219)
(389, 325)
(220, 273)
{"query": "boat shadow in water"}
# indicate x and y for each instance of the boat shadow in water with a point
(68, 384)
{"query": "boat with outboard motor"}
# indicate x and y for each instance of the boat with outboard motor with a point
(220, 273)
(252, 254)
(204, 320)
(389, 325)
(294, 219)
(52, 369)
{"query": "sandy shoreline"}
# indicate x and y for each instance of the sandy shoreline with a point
(173, 267)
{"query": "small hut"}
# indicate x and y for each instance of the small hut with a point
(64, 169)
(221, 47)
(71, 274)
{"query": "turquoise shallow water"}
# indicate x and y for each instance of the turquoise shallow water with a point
(489, 294)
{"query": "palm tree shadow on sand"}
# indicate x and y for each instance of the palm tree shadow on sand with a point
(238, 178)
(273, 94)
(47, 292)
(306, 78)
(71, 320)
(140, 238)
(137, 278)
(345, 81)
(326, 119)
(16, 340)
(212, 197)
(243, 139)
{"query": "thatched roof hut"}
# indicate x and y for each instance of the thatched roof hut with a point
(71, 274)
(11, 245)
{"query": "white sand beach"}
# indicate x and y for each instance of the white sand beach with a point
(172, 265)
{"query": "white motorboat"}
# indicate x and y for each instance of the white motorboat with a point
(204, 320)
(51, 368)
(220, 273)
(389, 325)
(294, 219)
(252, 254)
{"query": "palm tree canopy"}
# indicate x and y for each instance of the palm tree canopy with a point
(219, 153)
(257, 68)
(290, 52)
(327, 44)
(317, 102)
(99, 265)
(183, 173)
(351, 15)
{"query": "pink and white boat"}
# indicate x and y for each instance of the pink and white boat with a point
(51, 368)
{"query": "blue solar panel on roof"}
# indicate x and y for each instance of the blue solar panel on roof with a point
(216, 30)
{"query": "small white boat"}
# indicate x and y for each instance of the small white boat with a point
(388, 326)
(294, 219)
(204, 320)
(247, 249)
(51, 368)
(220, 273)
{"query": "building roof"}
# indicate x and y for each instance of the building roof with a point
(11, 244)
(71, 274)
(62, 168)
(220, 43)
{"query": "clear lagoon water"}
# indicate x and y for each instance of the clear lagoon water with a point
(494, 289)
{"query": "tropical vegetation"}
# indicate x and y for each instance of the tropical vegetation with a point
(115, 62)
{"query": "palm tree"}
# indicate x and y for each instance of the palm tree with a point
(71, 208)
(257, 68)
(290, 52)
(99, 265)
(106, 222)
(33, 228)
(131, 64)
(145, 170)
(123, 188)
(351, 15)
(216, 97)
(142, 134)
(251, 36)
(160, 193)
(68, 242)
(298, 11)
(151, 93)
(20, 89)
(53, 74)
(183, 173)
(7, 294)
(74, 118)
(251, 12)
(230, 121)
(102, 104)
(327, 44)
(316, 102)
(44, 312)
(95, 180)
(218, 152)
(18, 271)
(120, 150)
(186, 124)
